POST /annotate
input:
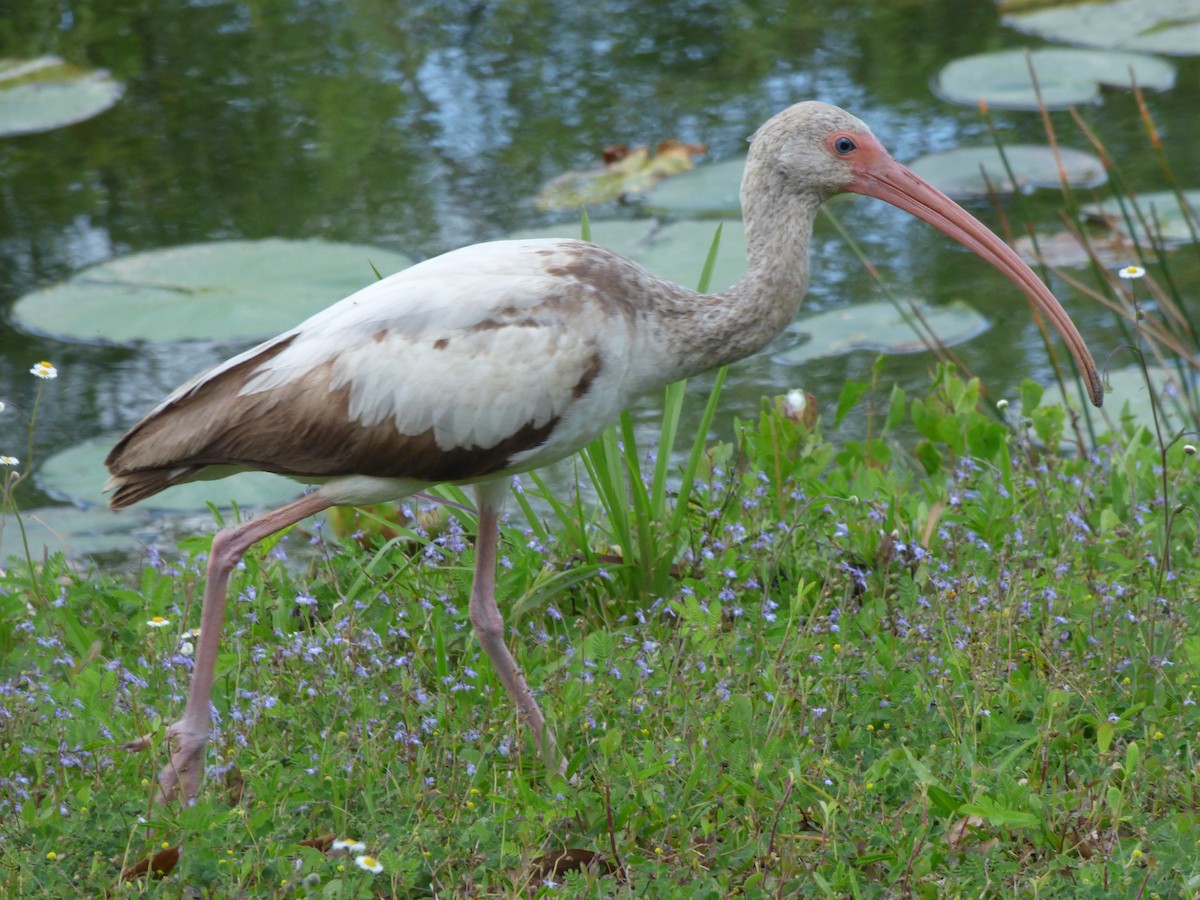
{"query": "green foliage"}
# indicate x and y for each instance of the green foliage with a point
(870, 678)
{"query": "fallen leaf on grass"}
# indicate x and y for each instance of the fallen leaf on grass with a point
(559, 863)
(964, 836)
(624, 172)
(159, 865)
(320, 844)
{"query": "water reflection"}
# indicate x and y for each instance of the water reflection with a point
(430, 126)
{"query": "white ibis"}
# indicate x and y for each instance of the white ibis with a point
(499, 358)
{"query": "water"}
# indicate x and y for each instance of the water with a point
(420, 127)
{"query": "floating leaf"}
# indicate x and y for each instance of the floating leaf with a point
(75, 532)
(623, 235)
(712, 191)
(1066, 77)
(78, 474)
(1127, 394)
(1162, 212)
(47, 93)
(675, 251)
(625, 172)
(960, 172)
(1062, 249)
(1149, 26)
(225, 290)
(881, 328)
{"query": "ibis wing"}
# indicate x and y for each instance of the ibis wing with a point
(418, 376)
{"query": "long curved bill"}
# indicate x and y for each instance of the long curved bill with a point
(880, 176)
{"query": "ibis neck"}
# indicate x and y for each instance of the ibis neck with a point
(722, 328)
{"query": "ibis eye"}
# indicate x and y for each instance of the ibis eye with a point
(844, 145)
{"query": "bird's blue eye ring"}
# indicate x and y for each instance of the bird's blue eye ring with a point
(844, 145)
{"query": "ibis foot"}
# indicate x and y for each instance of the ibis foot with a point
(186, 766)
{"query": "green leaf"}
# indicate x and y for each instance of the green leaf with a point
(896, 407)
(711, 190)
(598, 646)
(996, 813)
(76, 532)
(47, 93)
(986, 438)
(929, 457)
(920, 770)
(883, 327)
(1048, 424)
(611, 741)
(78, 474)
(1133, 755)
(943, 803)
(741, 717)
(926, 420)
(1031, 395)
(1150, 26)
(1109, 520)
(1113, 798)
(1104, 736)
(672, 250)
(220, 291)
(972, 172)
(852, 392)
(1066, 77)
(1164, 217)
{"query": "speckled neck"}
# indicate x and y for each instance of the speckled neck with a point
(717, 329)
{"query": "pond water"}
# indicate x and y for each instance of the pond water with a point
(423, 126)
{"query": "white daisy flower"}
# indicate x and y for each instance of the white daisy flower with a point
(370, 863)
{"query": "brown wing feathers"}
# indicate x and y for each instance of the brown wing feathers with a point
(300, 429)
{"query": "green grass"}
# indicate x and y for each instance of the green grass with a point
(969, 675)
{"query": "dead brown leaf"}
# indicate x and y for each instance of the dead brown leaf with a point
(555, 865)
(157, 866)
(964, 836)
(935, 513)
(321, 843)
(625, 171)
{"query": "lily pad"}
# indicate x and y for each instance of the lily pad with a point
(709, 191)
(879, 327)
(1067, 77)
(47, 93)
(1161, 211)
(1062, 249)
(78, 475)
(959, 173)
(676, 251)
(1127, 394)
(623, 235)
(1149, 26)
(72, 531)
(221, 291)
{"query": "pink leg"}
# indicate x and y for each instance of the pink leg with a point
(189, 735)
(489, 628)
